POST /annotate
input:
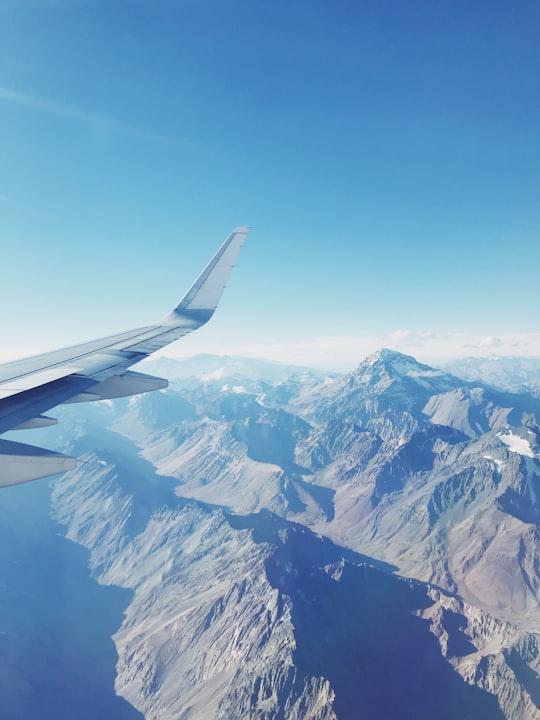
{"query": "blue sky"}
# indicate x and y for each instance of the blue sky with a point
(387, 154)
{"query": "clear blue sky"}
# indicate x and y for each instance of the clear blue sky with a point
(386, 152)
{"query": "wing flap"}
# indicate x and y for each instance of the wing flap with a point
(39, 421)
(21, 463)
(117, 386)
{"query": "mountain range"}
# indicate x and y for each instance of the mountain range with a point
(264, 541)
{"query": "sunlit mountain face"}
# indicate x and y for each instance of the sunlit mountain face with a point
(266, 541)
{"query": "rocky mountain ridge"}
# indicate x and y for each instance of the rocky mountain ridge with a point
(240, 615)
(313, 547)
(396, 460)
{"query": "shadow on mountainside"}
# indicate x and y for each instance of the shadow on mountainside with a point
(299, 542)
(356, 625)
(361, 632)
(57, 658)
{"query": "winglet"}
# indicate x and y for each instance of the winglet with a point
(201, 300)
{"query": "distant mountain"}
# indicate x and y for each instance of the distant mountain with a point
(302, 546)
(517, 374)
(240, 372)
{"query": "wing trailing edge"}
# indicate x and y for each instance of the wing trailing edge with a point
(21, 463)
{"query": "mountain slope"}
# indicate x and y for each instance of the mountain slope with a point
(236, 615)
(255, 538)
(396, 460)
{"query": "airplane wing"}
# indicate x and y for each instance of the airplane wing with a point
(97, 370)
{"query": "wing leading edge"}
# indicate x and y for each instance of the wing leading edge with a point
(98, 370)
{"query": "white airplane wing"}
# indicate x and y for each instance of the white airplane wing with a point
(97, 370)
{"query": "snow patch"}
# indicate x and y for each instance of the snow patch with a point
(499, 463)
(517, 444)
(233, 388)
(209, 376)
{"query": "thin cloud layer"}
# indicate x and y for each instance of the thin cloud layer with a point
(97, 123)
(342, 353)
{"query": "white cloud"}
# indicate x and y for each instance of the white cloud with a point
(491, 342)
(431, 346)
(411, 338)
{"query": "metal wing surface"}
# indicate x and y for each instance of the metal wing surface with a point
(97, 370)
